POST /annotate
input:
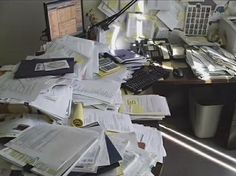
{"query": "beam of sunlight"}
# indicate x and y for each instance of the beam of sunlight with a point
(200, 144)
(114, 36)
(198, 152)
(139, 27)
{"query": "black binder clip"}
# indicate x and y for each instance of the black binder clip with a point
(27, 168)
(16, 173)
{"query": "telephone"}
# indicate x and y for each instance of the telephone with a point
(155, 49)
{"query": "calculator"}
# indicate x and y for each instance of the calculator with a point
(107, 65)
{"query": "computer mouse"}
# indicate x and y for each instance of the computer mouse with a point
(178, 73)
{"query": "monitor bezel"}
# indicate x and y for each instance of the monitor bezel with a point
(47, 30)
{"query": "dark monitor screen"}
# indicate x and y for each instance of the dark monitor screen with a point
(63, 17)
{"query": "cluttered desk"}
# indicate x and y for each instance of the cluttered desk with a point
(44, 101)
(63, 112)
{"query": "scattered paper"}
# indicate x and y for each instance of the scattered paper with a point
(145, 105)
(109, 120)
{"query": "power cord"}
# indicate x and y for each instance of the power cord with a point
(44, 36)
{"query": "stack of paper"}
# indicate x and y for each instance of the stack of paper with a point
(99, 93)
(152, 139)
(119, 76)
(49, 150)
(49, 94)
(211, 63)
(145, 106)
(56, 102)
(52, 150)
(129, 59)
(99, 158)
(136, 160)
(12, 125)
(109, 120)
(73, 47)
(24, 90)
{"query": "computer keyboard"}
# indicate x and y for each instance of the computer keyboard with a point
(144, 78)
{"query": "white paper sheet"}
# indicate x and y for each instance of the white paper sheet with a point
(109, 120)
(152, 139)
(98, 89)
(174, 17)
(86, 47)
(122, 140)
(145, 105)
(137, 161)
(60, 108)
(21, 89)
(158, 4)
(12, 125)
(139, 25)
(53, 145)
(96, 156)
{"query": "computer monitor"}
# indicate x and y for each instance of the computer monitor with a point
(63, 17)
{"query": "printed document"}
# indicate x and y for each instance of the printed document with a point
(12, 125)
(56, 102)
(149, 105)
(21, 89)
(152, 139)
(54, 146)
(137, 161)
(98, 89)
(109, 120)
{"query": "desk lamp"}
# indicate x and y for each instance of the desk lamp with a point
(104, 24)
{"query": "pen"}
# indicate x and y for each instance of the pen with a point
(141, 138)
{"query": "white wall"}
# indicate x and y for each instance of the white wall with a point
(21, 25)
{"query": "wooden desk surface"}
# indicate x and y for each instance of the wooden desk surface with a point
(189, 78)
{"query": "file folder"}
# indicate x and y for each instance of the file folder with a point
(28, 68)
(114, 158)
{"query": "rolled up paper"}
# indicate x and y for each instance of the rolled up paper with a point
(78, 116)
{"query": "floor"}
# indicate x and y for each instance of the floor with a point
(188, 155)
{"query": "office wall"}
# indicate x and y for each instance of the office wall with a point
(21, 25)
